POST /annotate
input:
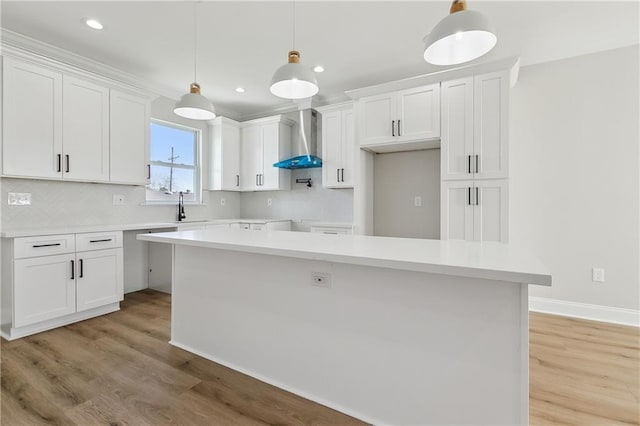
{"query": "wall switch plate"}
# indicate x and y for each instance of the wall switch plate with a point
(417, 201)
(118, 200)
(19, 199)
(269, 201)
(597, 275)
(223, 202)
(321, 279)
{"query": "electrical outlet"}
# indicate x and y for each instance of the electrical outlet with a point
(597, 275)
(269, 201)
(118, 200)
(417, 201)
(19, 199)
(223, 202)
(321, 279)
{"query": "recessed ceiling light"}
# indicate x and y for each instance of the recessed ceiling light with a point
(94, 23)
(318, 68)
(240, 89)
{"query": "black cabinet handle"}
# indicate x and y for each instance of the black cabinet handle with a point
(101, 241)
(468, 164)
(257, 182)
(337, 175)
(393, 127)
(81, 268)
(59, 163)
(477, 197)
(46, 245)
(66, 157)
(469, 195)
(73, 270)
(477, 169)
(399, 128)
(237, 180)
(342, 175)
(148, 171)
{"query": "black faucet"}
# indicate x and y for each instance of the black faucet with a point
(181, 214)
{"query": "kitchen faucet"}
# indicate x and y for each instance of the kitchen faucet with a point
(181, 214)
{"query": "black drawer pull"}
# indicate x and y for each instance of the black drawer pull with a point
(81, 268)
(101, 241)
(73, 270)
(47, 245)
(59, 163)
(67, 158)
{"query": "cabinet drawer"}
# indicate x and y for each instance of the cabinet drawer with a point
(98, 240)
(331, 230)
(43, 246)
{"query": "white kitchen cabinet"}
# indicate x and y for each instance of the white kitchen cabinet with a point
(129, 138)
(32, 122)
(44, 288)
(400, 117)
(475, 127)
(475, 210)
(224, 174)
(338, 146)
(265, 142)
(100, 278)
(85, 130)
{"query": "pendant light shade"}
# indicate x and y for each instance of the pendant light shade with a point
(462, 36)
(193, 105)
(293, 80)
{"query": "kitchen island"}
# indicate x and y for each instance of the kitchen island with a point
(389, 330)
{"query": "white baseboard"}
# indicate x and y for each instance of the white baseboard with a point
(585, 311)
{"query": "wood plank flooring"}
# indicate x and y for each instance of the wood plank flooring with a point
(118, 369)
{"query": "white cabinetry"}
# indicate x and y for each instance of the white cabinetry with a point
(32, 120)
(475, 128)
(338, 146)
(49, 281)
(400, 117)
(265, 142)
(129, 138)
(224, 174)
(475, 210)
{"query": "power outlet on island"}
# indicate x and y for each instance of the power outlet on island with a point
(597, 275)
(321, 279)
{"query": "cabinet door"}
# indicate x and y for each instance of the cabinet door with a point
(456, 218)
(347, 172)
(419, 113)
(32, 123)
(230, 166)
(270, 155)
(251, 157)
(457, 129)
(44, 288)
(85, 124)
(100, 278)
(332, 133)
(491, 124)
(378, 119)
(129, 139)
(490, 216)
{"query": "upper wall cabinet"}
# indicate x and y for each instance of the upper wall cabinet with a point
(57, 126)
(475, 127)
(225, 155)
(338, 146)
(32, 122)
(399, 117)
(129, 138)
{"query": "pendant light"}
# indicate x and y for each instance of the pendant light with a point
(462, 36)
(293, 80)
(193, 105)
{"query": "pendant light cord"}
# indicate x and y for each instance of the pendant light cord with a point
(294, 25)
(195, 42)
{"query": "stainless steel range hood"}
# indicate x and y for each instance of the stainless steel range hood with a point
(305, 145)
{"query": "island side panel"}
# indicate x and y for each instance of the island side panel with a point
(387, 346)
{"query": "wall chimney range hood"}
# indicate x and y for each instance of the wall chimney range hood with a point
(305, 146)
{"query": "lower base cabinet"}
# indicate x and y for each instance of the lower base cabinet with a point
(47, 283)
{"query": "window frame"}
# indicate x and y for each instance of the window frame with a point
(197, 168)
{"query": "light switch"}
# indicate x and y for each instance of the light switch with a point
(19, 199)
(417, 201)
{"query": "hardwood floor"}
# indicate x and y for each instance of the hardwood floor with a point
(118, 369)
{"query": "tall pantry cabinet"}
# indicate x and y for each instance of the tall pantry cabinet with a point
(474, 158)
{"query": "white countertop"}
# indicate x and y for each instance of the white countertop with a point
(493, 261)
(35, 231)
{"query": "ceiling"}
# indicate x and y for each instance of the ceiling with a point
(359, 43)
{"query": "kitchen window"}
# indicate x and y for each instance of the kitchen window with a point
(175, 165)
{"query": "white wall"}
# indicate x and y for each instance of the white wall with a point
(574, 183)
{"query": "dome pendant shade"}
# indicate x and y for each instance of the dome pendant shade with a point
(195, 106)
(293, 80)
(460, 37)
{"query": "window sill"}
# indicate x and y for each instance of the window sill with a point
(172, 203)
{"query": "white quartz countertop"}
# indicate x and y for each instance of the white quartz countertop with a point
(493, 261)
(41, 230)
